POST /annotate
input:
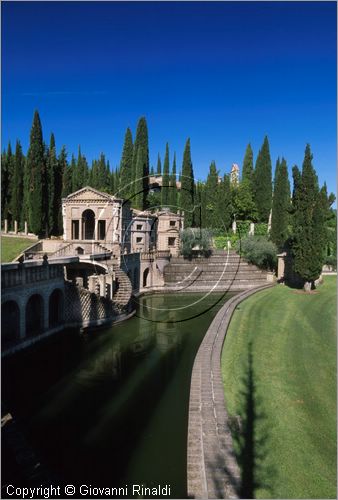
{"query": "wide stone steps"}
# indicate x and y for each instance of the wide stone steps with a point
(124, 288)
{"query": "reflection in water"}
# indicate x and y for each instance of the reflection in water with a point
(111, 408)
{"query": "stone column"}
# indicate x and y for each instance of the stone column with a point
(269, 222)
(234, 227)
(26, 227)
(80, 229)
(16, 227)
(45, 314)
(22, 332)
(252, 229)
(102, 281)
(6, 226)
(91, 283)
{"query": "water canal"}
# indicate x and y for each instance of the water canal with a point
(110, 408)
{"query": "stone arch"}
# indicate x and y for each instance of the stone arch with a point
(10, 321)
(79, 250)
(34, 315)
(88, 224)
(136, 279)
(146, 277)
(56, 308)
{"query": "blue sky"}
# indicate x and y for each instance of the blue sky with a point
(222, 73)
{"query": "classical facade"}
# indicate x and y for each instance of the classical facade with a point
(90, 215)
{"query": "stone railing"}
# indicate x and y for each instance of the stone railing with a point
(18, 274)
(156, 254)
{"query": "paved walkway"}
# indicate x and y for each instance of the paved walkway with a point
(213, 471)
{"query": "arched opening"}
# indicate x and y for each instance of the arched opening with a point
(136, 280)
(79, 250)
(88, 225)
(34, 315)
(55, 308)
(10, 321)
(145, 277)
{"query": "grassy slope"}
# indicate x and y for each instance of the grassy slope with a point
(11, 247)
(293, 345)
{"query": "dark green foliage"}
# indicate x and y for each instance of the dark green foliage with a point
(280, 220)
(66, 173)
(195, 241)
(17, 185)
(54, 173)
(172, 188)
(258, 250)
(37, 179)
(187, 187)
(126, 167)
(138, 196)
(165, 179)
(263, 182)
(248, 169)
(141, 175)
(7, 167)
(309, 205)
(244, 206)
(159, 166)
(154, 201)
(224, 206)
(212, 197)
(151, 171)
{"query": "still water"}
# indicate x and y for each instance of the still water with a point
(110, 408)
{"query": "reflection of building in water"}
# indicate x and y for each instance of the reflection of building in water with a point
(105, 365)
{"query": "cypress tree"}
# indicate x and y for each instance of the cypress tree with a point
(165, 179)
(17, 185)
(244, 206)
(7, 169)
(187, 187)
(159, 166)
(280, 205)
(66, 173)
(151, 171)
(307, 243)
(248, 170)
(141, 143)
(173, 188)
(126, 167)
(37, 179)
(263, 182)
(211, 188)
(138, 196)
(52, 176)
(224, 205)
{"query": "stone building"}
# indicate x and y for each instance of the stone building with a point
(168, 227)
(142, 232)
(90, 215)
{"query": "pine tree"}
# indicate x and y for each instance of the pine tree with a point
(165, 179)
(224, 206)
(17, 185)
(141, 143)
(248, 169)
(263, 182)
(159, 166)
(173, 188)
(37, 179)
(187, 187)
(126, 167)
(307, 243)
(280, 205)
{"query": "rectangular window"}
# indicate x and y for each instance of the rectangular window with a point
(171, 242)
(102, 229)
(139, 240)
(75, 230)
(172, 223)
(139, 227)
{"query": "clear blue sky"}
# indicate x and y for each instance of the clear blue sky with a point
(223, 74)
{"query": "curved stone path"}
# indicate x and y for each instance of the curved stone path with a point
(213, 471)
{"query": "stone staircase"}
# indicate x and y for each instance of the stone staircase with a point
(221, 271)
(124, 288)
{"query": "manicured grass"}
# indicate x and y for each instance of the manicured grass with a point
(11, 247)
(279, 375)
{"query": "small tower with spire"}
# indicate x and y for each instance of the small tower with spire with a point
(234, 174)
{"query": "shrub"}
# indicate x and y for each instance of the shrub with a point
(258, 250)
(195, 241)
(331, 260)
(261, 229)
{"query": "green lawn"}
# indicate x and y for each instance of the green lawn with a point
(279, 374)
(11, 247)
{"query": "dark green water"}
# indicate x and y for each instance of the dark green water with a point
(110, 408)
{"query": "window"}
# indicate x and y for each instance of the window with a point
(102, 229)
(139, 240)
(139, 227)
(171, 242)
(172, 223)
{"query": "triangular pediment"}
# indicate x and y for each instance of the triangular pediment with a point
(90, 194)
